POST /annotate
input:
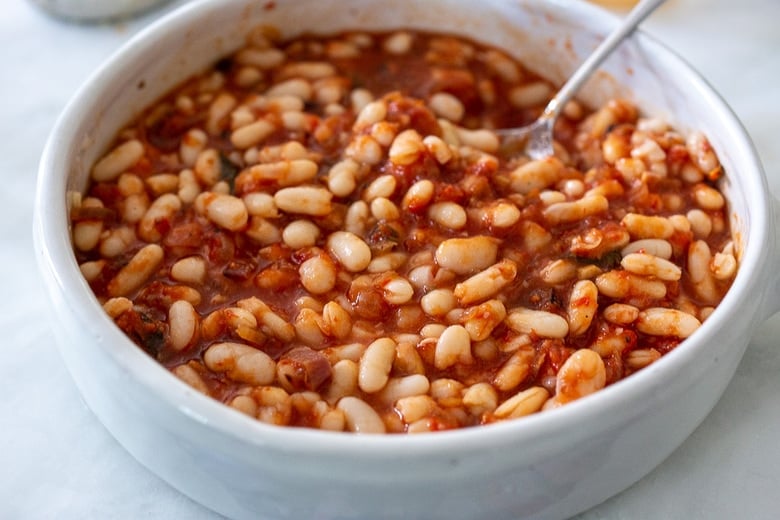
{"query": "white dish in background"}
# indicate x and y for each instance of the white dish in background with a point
(547, 466)
(95, 10)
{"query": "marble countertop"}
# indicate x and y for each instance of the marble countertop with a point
(57, 460)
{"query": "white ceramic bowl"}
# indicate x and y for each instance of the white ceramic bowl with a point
(550, 465)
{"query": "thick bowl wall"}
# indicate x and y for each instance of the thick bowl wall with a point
(547, 466)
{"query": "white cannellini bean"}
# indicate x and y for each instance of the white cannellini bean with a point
(271, 323)
(701, 152)
(356, 220)
(398, 43)
(453, 346)
(364, 149)
(438, 302)
(116, 306)
(207, 167)
(371, 113)
(91, 270)
(318, 274)
(304, 200)
(284, 173)
(700, 223)
(252, 134)
(530, 94)
(375, 365)
(440, 150)
(649, 265)
(652, 246)
(418, 195)
(231, 318)
(118, 160)
(658, 321)
(446, 105)
(583, 304)
(384, 133)
(514, 370)
(297, 87)
(397, 290)
(387, 262)
(285, 103)
(542, 323)
(261, 205)
(483, 139)
(86, 233)
(117, 241)
(480, 398)
(385, 209)
(241, 363)
(708, 198)
(342, 177)
(407, 147)
(502, 65)
(644, 226)
(502, 214)
(382, 186)
(467, 255)
(480, 320)
(162, 183)
(189, 188)
(218, 112)
(448, 214)
(486, 283)
(360, 98)
(310, 70)
(300, 233)
(640, 358)
(449, 133)
(192, 143)
(190, 376)
(183, 324)
(336, 320)
(415, 408)
(699, 271)
(536, 175)
(558, 271)
(581, 374)
(343, 380)
(162, 209)
(621, 313)
(191, 269)
(226, 211)
(350, 250)
(402, 387)
(622, 284)
(723, 266)
(263, 59)
(360, 417)
(262, 231)
(550, 197)
(523, 403)
(137, 271)
(562, 212)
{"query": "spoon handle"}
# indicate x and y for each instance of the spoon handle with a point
(605, 48)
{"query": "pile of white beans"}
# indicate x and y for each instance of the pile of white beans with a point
(374, 261)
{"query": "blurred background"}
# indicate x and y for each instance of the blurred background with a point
(59, 462)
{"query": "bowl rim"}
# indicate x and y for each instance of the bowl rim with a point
(55, 256)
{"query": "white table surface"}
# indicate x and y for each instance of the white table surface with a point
(57, 460)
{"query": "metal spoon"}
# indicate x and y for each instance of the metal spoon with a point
(539, 134)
